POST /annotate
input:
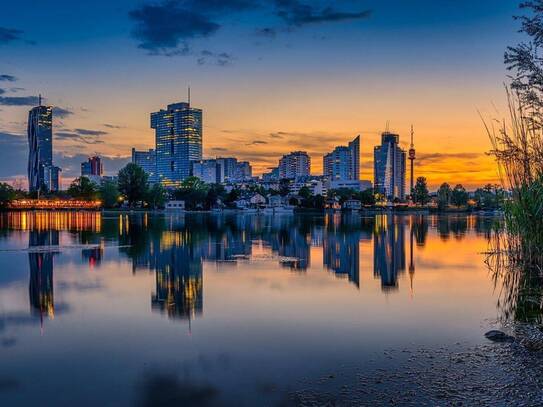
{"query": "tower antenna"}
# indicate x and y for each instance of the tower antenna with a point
(39, 100)
(412, 158)
(189, 96)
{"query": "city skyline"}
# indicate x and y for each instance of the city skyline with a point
(299, 105)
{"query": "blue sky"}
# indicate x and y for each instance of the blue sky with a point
(323, 69)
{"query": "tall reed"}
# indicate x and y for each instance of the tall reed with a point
(516, 255)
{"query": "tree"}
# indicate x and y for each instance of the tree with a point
(305, 193)
(193, 191)
(156, 196)
(343, 194)
(420, 192)
(444, 194)
(215, 193)
(232, 196)
(525, 62)
(459, 196)
(109, 194)
(7, 194)
(489, 197)
(83, 188)
(133, 183)
(284, 187)
(366, 197)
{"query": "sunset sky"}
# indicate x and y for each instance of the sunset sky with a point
(272, 76)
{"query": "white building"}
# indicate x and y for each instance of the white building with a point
(295, 165)
(175, 205)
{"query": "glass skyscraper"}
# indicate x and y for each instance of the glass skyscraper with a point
(42, 174)
(343, 163)
(147, 161)
(389, 170)
(178, 132)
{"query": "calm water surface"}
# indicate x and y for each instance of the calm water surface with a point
(122, 309)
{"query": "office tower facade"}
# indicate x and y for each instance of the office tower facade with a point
(178, 135)
(389, 167)
(343, 163)
(354, 148)
(295, 165)
(244, 171)
(42, 174)
(208, 171)
(92, 167)
(227, 168)
(147, 161)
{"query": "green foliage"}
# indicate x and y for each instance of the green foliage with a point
(305, 192)
(83, 188)
(109, 194)
(156, 196)
(366, 197)
(490, 197)
(232, 196)
(7, 194)
(459, 196)
(421, 195)
(444, 195)
(132, 183)
(284, 187)
(194, 192)
(216, 194)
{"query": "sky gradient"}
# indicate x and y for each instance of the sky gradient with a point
(271, 76)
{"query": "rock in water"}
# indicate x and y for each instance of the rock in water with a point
(498, 336)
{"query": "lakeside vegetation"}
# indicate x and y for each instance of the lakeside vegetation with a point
(516, 255)
(132, 190)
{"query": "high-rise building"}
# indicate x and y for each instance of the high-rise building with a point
(343, 163)
(51, 178)
(354, 148)
(147, 161)
(295, 165)
(92, 167)
(208, 171)
(227, 168)
(42, 174)
(244, 171)
(389, 167)
(178, 133)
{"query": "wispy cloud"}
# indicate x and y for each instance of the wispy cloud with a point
(8, 35)
(169, 27)
(113, 126)
(18, 100)
(61, 112)
(296, 14)
(7, 78)
(84, 136)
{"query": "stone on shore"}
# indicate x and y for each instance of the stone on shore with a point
(498, 336)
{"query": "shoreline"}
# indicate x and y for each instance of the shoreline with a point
(304, 211)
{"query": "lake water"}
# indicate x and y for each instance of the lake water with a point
(233, 310)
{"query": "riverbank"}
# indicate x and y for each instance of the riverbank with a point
(492, 374)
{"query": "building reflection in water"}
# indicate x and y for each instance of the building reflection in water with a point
(341, 245)
(179, 282)
(388, 250)
(175, 247)
(40, 258)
